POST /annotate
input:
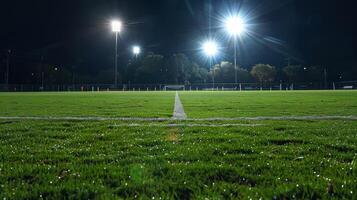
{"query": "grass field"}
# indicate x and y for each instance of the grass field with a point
(252, 104)
(105, 104)
(173, 159)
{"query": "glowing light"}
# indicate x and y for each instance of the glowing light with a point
(235, 25)
(136, 50)
(116, 26)
(210, 48)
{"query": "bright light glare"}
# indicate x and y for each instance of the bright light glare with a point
(116, 26)
(136, 50)
(235, 25)
(210, 48)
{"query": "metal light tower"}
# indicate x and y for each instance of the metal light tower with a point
(235, 26)
(210, 48)
(7, 69)
(116, 28)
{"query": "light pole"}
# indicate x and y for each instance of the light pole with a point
(7, 69)
(116, 28)
(235, 26)
(210, 49)
(42, 73)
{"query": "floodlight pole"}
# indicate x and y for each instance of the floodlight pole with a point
(116, 61)
(7, 69)
(42, 80)
(213, 72)
(235, 62)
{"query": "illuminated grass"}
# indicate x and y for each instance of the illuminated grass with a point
(63, 159)
(81, 160)
(103, 104)
(286, 103)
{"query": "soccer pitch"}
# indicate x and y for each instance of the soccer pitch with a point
(232, 145)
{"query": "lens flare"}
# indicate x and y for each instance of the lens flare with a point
(235, 25)
(210, 48)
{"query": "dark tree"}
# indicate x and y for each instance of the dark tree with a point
(263, 72)
(225, 73)
(151, 69)
(294, 72)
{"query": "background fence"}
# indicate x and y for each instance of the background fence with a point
(159, 87)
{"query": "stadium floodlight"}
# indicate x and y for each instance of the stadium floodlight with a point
(235, 25)
(116, 28)
(136, 50)
(210, 48)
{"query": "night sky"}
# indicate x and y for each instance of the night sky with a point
(68, 32)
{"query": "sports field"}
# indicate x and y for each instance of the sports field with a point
(229, 145)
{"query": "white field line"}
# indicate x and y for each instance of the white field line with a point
(179, 112)
(185, 125)
(280, 118)
(85, 118)
(261, 118)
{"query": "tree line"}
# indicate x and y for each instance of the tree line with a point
(179, 69)
(176, 69)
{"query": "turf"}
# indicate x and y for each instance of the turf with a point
(252, 104)
(98, 104)
(101, 160)
(62, 159)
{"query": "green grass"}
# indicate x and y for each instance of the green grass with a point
(104, 104)
(97, 160)
(286, 103)
(196, 104)
(61, 159)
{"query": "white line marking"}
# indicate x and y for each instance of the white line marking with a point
(84, 118)
(185, 125)
(179, 113)
(261, 118)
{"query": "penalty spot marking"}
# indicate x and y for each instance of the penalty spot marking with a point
(179, 112)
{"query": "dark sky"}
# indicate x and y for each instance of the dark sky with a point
(321, 32)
